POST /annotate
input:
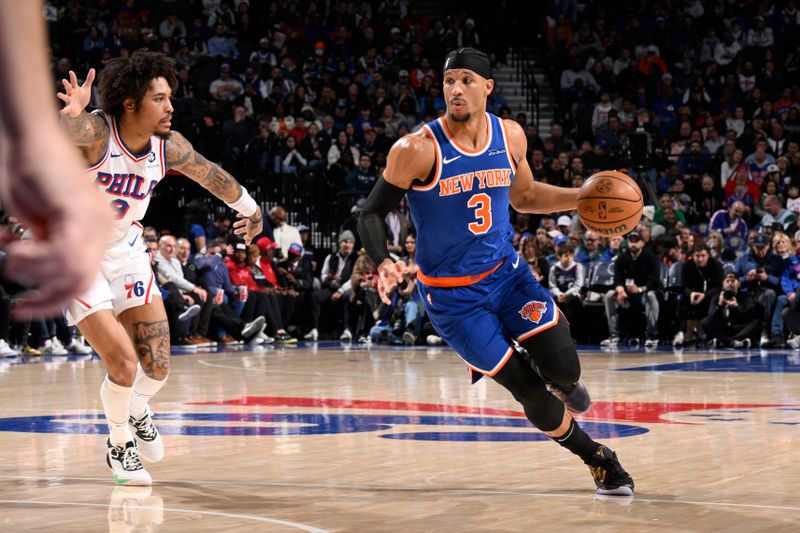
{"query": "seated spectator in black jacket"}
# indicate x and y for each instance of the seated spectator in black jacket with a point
(336, 271)
(701, 278)
(636, 282)
(733, 318)
(566, 280)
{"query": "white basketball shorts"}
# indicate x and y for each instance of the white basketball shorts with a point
(125, 280)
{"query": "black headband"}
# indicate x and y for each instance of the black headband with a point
(477, 64)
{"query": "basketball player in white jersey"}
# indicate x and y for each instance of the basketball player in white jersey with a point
(129, 147)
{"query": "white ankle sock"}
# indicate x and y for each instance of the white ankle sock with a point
(116, 405)
(144, 388)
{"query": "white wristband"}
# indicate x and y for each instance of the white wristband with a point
(245, 204)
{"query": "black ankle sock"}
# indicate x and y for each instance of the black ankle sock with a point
(578, 442)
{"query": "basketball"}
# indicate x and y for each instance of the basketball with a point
(610, 203)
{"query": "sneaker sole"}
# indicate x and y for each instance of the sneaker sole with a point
(623, 490)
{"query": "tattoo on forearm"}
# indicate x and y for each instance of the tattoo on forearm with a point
(151, 340)
(85, 128)
(257, 217)
(182, 156)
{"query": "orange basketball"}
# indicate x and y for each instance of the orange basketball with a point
(610, 203)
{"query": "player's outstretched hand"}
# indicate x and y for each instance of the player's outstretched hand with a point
(250, 227)
(47, 188)
(390, 274)
(76, 96)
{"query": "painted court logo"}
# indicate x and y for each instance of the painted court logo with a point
(533, 311)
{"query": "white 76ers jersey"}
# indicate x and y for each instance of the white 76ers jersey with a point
(127, 179)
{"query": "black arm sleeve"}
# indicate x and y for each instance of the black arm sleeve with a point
(371, 225)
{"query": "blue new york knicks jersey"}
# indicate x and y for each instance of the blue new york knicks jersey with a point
(461, 216)
(476, 290)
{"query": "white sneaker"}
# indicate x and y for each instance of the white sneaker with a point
(257, 340)
(312, 335)
(54, 347)
(678, 340)
(6, 350)
(76, 346)
(793, 343)
(265, 339)
(651, 343)
(346, 335)
(764, 341)
(433, 340)
(148, 439)
(611, 341)
(125, 463)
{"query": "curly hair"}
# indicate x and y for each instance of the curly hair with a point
(130, 77)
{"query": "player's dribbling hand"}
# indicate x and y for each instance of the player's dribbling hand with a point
(250, 227)
(391, 274)
(76, 97)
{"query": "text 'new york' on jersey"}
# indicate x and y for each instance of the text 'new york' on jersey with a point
(461, 215)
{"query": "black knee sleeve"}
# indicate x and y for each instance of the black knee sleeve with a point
(554, 354)
(542, 409)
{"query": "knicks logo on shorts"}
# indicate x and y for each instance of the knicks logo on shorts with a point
(533, 311)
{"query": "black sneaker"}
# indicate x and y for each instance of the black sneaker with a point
(609, 476)
(285, 338)
(575, 397)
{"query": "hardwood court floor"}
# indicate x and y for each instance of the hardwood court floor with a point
(333, 438)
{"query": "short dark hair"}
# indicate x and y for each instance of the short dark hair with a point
(130, 77)
(699, 247)
(565, 247)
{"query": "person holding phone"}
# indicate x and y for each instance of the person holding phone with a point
(733, 319)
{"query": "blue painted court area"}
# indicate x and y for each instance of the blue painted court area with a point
(776, 362)
(283, 424)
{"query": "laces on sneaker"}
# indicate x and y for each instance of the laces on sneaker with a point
(145, 429)
(131, 460)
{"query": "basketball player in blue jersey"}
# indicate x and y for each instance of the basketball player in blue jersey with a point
(460, 173)
(129, 147)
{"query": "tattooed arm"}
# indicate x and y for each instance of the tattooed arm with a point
(86, 129)
(182, 157)
(89, 132)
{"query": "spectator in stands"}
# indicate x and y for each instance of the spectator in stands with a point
(338, 148)
(759, 273)
(700, 281)
(336, 271)
(215, 276)
(612, 249)
(361, 179)
(730, 223)
(733, 317)
(269, 278)
(171, 271)
(636, 282)
(590, 251)
(566, 279)
(283, 234)
(225, 88)
(775, 212)
(222, 46)
(759, 161)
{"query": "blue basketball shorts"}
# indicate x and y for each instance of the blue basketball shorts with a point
(479, 321)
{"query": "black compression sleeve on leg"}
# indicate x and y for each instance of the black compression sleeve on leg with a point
(371, 225)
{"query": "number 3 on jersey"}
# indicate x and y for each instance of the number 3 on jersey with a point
(482, 203)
